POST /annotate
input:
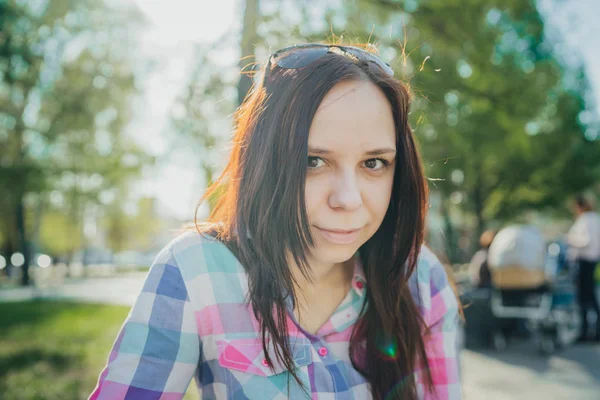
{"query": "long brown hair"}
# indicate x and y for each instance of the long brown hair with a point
(261, 216)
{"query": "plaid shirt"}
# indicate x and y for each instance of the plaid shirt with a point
(191, 320)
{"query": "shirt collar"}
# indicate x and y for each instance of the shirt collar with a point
(359, 281)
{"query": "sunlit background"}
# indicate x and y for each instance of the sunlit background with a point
(177, 27)
(115, 114)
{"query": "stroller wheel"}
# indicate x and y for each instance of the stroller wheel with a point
(499, 341)
(567, 328)
(547, 345)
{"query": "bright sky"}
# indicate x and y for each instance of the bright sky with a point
(175, 26)
(578, 23)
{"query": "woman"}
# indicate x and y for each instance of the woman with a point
(479, 270)
(309, 279)
(584, 241)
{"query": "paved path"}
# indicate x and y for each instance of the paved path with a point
(518, 374)
(521, 374)
(120, 289)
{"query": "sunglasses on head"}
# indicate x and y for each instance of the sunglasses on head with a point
(298, 56)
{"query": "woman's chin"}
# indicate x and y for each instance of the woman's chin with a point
(334, 254)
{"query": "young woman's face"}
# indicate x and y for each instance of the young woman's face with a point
(351, 157)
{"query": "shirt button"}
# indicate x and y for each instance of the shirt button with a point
(265, 363)
(360, 284)
(323, 351)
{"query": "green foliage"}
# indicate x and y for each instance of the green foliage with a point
(496, 108)
(502, 109)
(59, 235)
(132, 231)
(66, 85)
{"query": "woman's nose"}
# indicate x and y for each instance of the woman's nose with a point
(345, 193)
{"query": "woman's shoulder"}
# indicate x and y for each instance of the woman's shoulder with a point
(430, 285)
(199, 253)
(430, 271)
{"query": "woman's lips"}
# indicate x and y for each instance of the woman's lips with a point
(339, 236)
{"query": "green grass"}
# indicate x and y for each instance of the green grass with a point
(55, 350)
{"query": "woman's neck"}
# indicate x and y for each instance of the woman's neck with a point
(325, 278)
(316, 301)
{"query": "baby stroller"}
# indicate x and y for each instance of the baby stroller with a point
(531, 289)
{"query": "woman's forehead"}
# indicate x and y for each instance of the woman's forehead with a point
(353, 114)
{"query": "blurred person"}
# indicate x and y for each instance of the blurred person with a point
(310, 278)
(584, 241)
(479, 320)
(479, 270)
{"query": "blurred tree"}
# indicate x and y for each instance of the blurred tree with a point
(195, 116)
(497, 109)
(59, 235)
(133, 230)
(248, 41)
(66, 82)
(201, 115)
(200, 112)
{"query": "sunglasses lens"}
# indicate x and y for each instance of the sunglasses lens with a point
(300, 57)
(365, 55)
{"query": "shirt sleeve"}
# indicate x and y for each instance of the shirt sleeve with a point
(441, 343)
(578, 235)
(157, 350)
(475, 265)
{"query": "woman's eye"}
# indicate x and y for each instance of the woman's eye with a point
(315, 162)
(376, 163)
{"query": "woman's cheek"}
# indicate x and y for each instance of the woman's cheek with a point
(315, 192)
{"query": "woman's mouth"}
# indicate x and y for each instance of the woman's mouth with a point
(339, 236)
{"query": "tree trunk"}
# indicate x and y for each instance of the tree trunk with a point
(37, 223)
(22, 235)
(247, 48)
(449, 233)
(9, 248)
(478, 206)
(19, 200)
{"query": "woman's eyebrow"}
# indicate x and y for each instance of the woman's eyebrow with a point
(374, 152)
(318, 150)
(377, 152)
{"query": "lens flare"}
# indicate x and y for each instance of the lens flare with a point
(389, 349)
